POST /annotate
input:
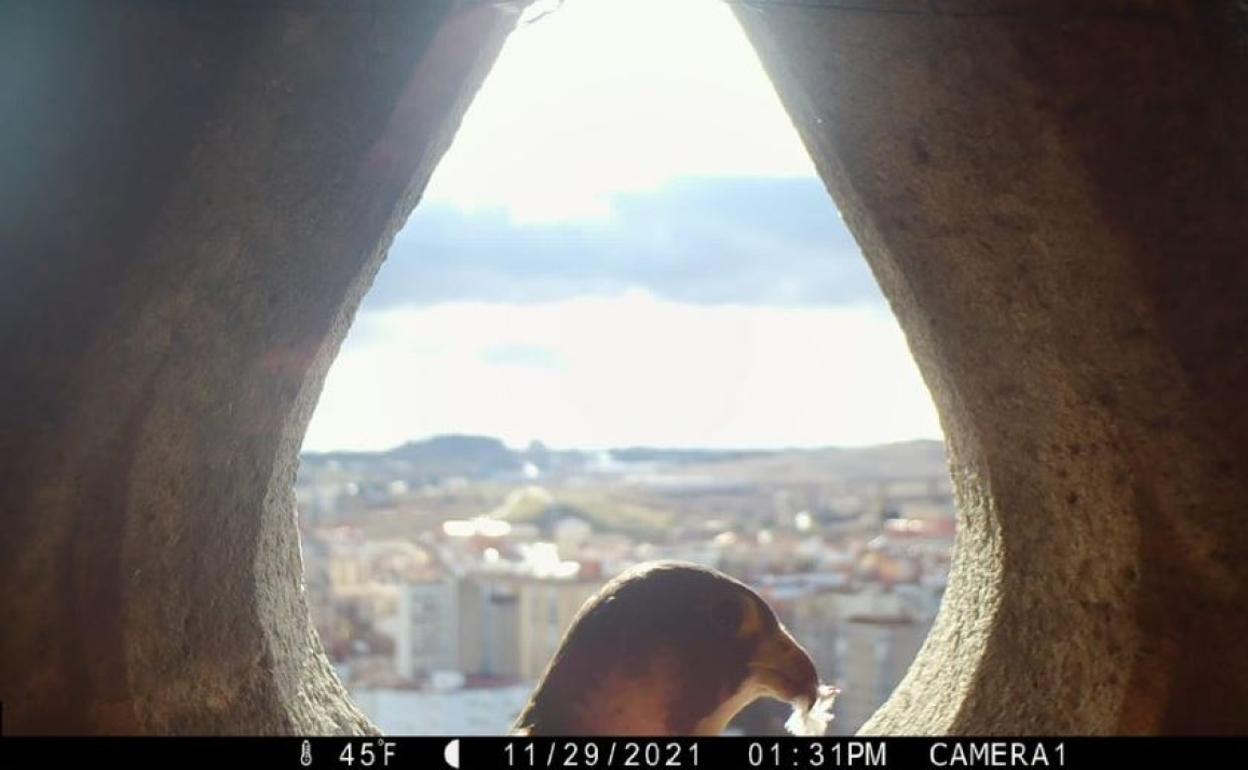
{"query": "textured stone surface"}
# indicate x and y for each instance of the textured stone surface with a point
(1054, 198)
(194, 199)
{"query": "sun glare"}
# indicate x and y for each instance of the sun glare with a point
(600, 97)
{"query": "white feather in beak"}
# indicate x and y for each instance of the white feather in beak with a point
(813, 719)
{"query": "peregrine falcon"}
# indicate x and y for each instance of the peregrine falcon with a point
(669, 648)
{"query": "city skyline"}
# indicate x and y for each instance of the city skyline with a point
(443, 577)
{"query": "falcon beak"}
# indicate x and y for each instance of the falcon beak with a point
(785, 671)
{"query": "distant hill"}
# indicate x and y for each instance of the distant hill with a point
(909, 459)
(437, 457)
(483, 457)
(684, 456)
(460, 455)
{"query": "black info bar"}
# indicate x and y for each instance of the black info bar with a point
(522, 753)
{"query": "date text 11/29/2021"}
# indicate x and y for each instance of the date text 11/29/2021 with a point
(791, 754)
(690, 754)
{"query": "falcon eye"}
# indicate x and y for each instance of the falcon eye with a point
(726, 614)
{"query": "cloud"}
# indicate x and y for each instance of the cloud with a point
(777, 242)
(532, 356)
(632, 370)
(623, 249)
(575, 112)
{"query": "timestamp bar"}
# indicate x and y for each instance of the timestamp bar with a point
(521, 753)
(789, 753)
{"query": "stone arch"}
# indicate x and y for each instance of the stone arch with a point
(1051, 197)
(1050, 194)
(207, 192)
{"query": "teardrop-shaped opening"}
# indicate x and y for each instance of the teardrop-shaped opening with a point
(625, 323)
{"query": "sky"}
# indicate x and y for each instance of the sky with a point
(626, 244)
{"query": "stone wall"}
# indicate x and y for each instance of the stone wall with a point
(1052, 196)
(195, 197)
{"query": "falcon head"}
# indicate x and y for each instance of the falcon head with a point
(668, 648)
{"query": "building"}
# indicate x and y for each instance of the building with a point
(427, 628)
(489, 626)
(874, 651)
(547, 608)
(862, 638)
(512, 623)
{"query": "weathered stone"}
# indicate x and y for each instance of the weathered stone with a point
(1054, 198)
(1052, 195)
(195, 198)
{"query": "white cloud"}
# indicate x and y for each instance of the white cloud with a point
(600, 98)
(609, 96)
(622, 371)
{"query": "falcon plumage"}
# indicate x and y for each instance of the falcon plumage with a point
(668, 648)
